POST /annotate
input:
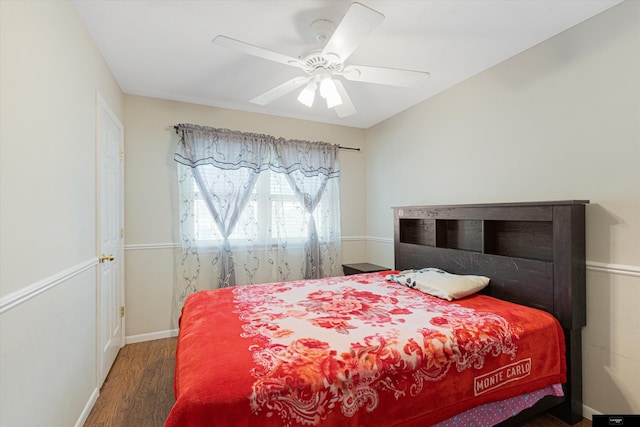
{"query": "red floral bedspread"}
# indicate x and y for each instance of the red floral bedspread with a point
(354, 350)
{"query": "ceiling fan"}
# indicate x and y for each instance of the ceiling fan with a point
(323, 65)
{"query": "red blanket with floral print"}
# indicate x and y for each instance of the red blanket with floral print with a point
(354, 351)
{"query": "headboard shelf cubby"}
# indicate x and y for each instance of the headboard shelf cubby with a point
(533, 252)
(517, 230)
(520, 239)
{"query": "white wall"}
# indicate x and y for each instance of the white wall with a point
(151, 195)
(50, 72)
(559, 121)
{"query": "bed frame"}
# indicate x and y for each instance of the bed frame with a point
(534, 254)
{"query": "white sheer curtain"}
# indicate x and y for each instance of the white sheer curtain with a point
(308, 168)
(254, 209)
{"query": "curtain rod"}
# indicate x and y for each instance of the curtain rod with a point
(340, 147)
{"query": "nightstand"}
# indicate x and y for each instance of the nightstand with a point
(363, 267)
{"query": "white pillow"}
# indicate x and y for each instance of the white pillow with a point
(439, 283)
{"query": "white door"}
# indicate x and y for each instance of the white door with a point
(110, 146)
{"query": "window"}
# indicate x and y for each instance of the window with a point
(260, 231)
(273, 211)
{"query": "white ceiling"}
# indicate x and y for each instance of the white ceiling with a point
(163, 49)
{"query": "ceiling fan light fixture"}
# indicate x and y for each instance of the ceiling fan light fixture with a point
(329, 92)
(308, 94)
(334, 101)
(322, 63)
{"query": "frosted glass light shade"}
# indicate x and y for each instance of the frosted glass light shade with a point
(329, 92)
(307, 95)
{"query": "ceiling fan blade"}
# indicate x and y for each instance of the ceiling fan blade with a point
(346, 108)
(280, 90)
(250, 49)
(385, 76)
(356, 25)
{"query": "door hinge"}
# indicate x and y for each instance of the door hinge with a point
(121, 155)
(122, 311)
(122, 233)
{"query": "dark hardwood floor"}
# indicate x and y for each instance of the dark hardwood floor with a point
(138, 392)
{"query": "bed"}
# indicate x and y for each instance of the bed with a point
(375, 349)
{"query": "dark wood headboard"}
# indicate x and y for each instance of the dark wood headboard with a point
(534, 254)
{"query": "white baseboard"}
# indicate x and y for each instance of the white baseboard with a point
(87, 408)
(588, 413)
(151, 336)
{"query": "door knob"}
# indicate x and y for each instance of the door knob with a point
(109, 257)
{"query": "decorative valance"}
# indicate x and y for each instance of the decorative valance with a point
(202, 145)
